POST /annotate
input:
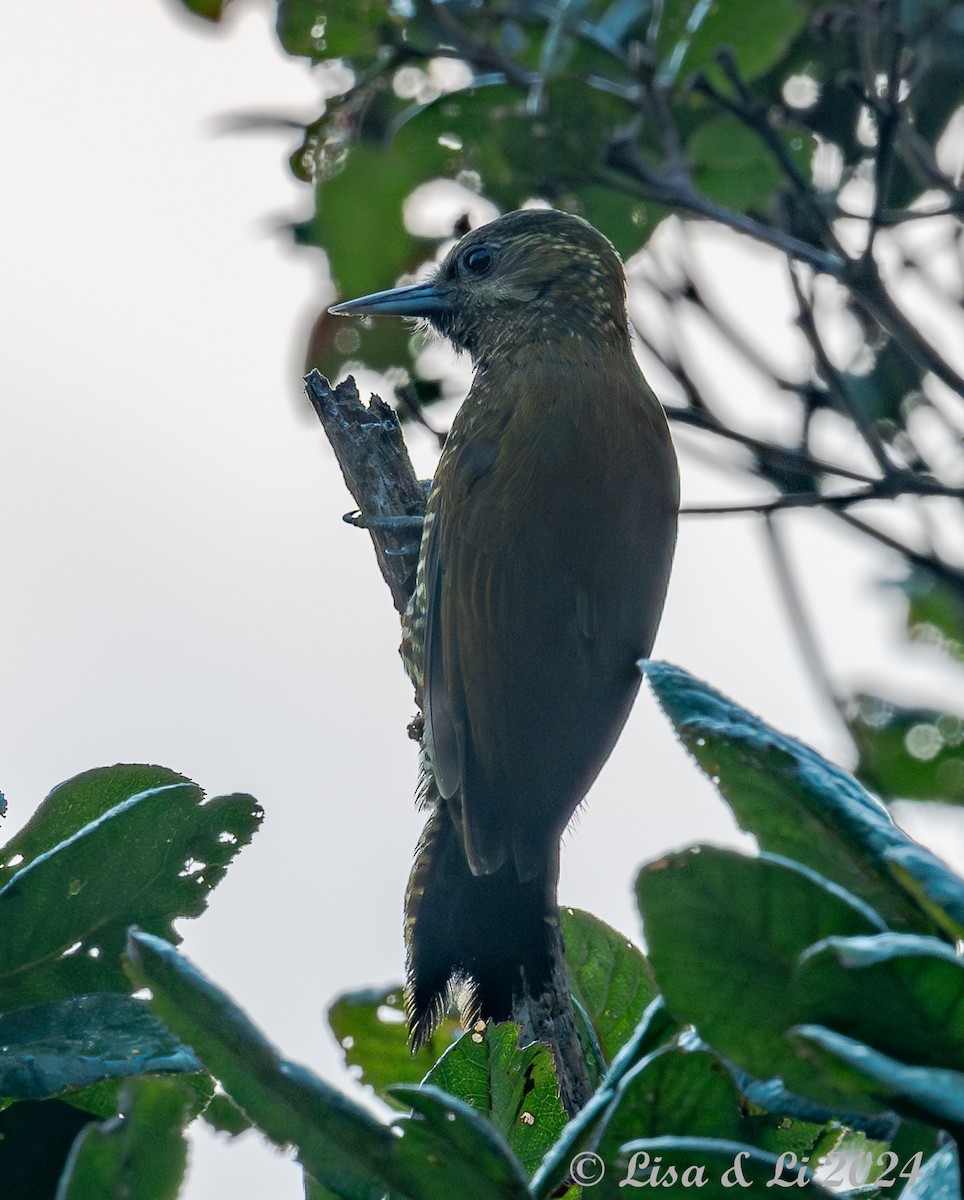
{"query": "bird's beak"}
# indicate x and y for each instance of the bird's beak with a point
(422, 300)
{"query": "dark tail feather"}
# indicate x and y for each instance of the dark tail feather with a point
(489, 933)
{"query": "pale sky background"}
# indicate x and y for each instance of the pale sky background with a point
(179, 586)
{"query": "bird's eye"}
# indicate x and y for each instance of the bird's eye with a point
(476, 260)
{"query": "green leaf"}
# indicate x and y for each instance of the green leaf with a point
(901, 994)
(150, 859)
(932, 1094)
(880, 392)
(608, 975)
(358, 221)
(732, 166)
(670, 1092)
(785, 1135)
(692, 31)
(372, 1029)
(71, 1044)
(315, 1190)
(772, 1099)
(75, 803)
(558, 147)
(935, 611)
(935, 888)
(728, 1168)
(626, 220)
(142, 1154)
(653, 1030)
(224, 1116)
(909, 753)
(332, 28)
(103, 1099)
(913, 1137)
(449, 1150)
(515, 1086)
(724, 933)
(802, 806)
(338, 1142)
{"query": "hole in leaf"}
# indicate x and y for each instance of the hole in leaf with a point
(390, 1016)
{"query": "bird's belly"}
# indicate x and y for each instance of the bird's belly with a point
(572, 548)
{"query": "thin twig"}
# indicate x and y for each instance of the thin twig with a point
(869, 293)
(949, 574)
(831, 377)
(694, 295)
(755, 116)
(627, 171)
(799, 620)
(477, 51)
(887, 113)
(884, 489)
(407, 399)
(795, 460)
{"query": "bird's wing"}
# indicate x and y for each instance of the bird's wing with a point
(543, 595)
(444, 711)
(467, 612)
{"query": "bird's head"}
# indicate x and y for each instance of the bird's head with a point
(533, 275)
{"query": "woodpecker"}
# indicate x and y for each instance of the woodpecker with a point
(545, 558)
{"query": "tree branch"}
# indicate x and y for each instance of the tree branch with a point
(794, 460)
(869, 293)
(627, 171)
(831, 377)
(756, 117)
(799, 620)
(888, 116)
(368, 443)
(951, 575)
(883, 489)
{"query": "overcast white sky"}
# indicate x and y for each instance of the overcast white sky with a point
(178, 584)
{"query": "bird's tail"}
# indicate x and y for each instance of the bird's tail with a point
(492, 934)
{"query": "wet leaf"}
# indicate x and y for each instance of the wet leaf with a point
(70, 1044)
(514, 1086)
(725, 932)
(143, 1154)
(149, 859)
(372, 1029)
(608, 975)
(445, 1149)
(800, 805)
(691, 32)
